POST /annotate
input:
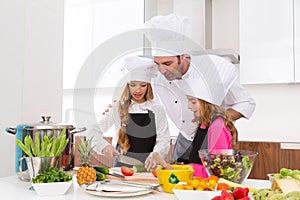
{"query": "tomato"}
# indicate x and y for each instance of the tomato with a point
(126, 171)
(223, 186)
(153, 171)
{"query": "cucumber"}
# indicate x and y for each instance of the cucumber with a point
(103, 170)
(139, 168)
(100, 176)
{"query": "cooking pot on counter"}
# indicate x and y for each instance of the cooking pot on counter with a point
(45, 127)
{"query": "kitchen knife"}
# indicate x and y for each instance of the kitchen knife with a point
(129, 160)
(116, 175)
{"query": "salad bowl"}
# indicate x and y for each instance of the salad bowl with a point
(230, 164)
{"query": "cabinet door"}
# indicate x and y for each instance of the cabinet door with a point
(297, 39)
(266, 41)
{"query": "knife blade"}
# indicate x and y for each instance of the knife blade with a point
(116, 175)
(129, 160)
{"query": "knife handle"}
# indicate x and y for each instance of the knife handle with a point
(161, 161)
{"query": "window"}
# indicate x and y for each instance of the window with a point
(88, 24)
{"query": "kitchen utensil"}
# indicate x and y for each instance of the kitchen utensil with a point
(134, 184)
(116, 175)
(128, 160)
(45, 127)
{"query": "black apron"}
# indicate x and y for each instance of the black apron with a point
(199, 142)
(141, 132)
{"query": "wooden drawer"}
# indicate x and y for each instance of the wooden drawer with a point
(271, 158)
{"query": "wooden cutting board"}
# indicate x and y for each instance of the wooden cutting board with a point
(145, 177)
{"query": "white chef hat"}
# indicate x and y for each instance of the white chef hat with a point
(167, 34)
(211, 80)
(139, 68)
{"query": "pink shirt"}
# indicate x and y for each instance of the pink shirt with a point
(219, 137)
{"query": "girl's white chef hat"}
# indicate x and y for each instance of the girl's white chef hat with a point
(167, 34)
(138, 68)
(211, 79)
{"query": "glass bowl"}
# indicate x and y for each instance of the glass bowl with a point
(230, 164)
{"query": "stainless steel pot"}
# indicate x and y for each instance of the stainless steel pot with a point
(45, 127)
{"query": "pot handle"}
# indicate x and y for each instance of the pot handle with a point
(11, 130)
(78, 130)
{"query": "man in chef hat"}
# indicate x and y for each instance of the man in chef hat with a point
(175, 64)
(140, 121)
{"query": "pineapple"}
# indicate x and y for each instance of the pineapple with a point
(86, 173)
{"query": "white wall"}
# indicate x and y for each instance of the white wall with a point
(276, 115)
(31, 63)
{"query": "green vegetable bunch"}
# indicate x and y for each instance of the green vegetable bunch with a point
(48, 146)
(269, 194)
(288, 173)
(53, 175)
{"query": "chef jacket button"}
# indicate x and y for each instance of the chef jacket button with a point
(170, 82)
(176, 101)
(183, 121)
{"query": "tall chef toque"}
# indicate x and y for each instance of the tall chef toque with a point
(139, 68)
(167, 34)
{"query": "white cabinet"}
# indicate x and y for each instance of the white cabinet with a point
(267, 41)
(297, 39)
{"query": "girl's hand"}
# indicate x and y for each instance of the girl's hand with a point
(110, 151)
(150, 163)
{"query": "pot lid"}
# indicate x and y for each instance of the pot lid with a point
(46, 124)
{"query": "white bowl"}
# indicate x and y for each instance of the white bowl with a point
(56, 188)
(195, 194)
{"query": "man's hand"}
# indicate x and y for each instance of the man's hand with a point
(110, 151)
(109, 106)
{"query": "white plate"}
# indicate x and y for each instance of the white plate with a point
(114, 190)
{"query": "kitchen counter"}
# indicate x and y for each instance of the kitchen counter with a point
(13, 188)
